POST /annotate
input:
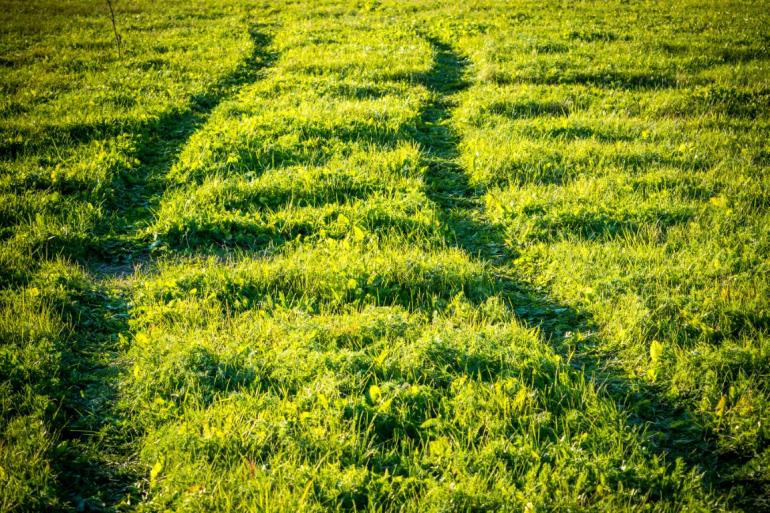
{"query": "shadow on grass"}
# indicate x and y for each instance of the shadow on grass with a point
(93, 460)
(133, 196)
(670, 430)
(95, 440)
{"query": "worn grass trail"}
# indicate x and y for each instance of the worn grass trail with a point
(415, 257)
(137, 195)
(95, 460)
(359, 360)
(671, 430)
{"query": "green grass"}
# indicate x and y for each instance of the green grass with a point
(385, 256)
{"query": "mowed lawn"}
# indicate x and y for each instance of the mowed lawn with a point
(385, 256)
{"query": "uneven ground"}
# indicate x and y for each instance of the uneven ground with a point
(385, 256)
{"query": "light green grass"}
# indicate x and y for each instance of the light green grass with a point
(384, 256)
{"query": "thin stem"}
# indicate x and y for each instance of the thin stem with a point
(115, 28)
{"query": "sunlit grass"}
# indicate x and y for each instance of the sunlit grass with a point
(384, 256)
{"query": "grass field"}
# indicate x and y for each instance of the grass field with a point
(411, 256)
